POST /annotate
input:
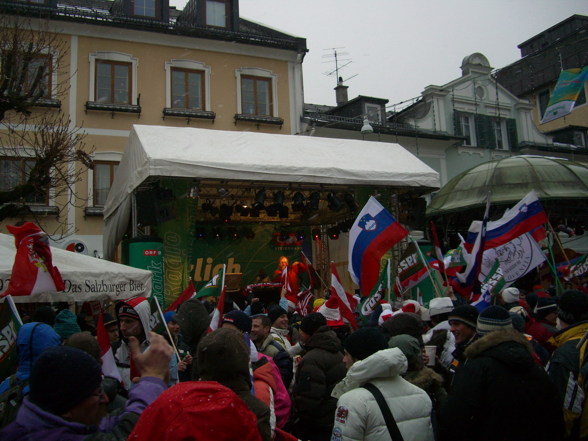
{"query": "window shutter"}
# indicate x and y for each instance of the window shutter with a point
(511, 131)
(485, 131)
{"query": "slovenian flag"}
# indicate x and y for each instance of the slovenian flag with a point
(33, 271)
(373, 233)
(524, 217)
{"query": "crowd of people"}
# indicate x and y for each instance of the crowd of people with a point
(514, 371)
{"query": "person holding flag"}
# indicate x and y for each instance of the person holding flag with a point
(134, 317)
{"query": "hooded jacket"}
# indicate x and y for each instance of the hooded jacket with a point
(500, 393)
(282, 359)
(33, 338)
(358, 416)
(123, 356)
(320, 369)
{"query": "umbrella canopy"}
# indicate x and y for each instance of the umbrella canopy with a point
(509, 180)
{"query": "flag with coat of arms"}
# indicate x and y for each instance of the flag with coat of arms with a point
(374, 232)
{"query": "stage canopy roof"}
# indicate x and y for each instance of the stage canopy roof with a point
(215, 154)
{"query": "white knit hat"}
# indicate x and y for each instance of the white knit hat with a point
(510, 295)
(440, 305)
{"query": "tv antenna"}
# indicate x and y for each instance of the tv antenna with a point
(336, 57)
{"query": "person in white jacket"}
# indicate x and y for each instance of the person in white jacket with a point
(358, 416)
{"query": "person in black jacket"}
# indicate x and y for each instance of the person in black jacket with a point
(320, 369)
(499, 392)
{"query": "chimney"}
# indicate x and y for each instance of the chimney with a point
(341, 92)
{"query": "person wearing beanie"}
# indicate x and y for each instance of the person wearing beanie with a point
(420, 375)
(541, 324)
(66, 400)
(133, 317)
(509, 297)
(320, 368)
(281, 332)
(66, 324)
(196, 411)
(564, 366)
(500, 364)
(440, 334)
(223, 356)
(369, 360)
(237, 320)
(462, 321)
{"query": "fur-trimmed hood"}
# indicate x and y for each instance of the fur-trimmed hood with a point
(424, 378)
(508, 346)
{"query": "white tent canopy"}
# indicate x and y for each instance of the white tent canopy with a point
(216, 154)
(86, 278)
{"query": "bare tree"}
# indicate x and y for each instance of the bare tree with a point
(38, 143)
(54, 156)
(32, 57)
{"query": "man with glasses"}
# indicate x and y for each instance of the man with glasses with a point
(66, 400)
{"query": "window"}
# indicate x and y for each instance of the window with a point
(374, 113)
(112, 82)
(256, 96)
(145, 8)
(187, 88)
(16, 171)
(466, 123)
(543, 100)
(500, 134)
(581, 98)
(113, 79)
(39, 67)
(103, 175)
(216, 13)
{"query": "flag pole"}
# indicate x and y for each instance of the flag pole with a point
(10, 301)
(551, 264)
(317, 274)
(167, 329)
(558, 242)
(389, 287)
(419, 252)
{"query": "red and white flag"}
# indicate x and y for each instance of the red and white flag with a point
(188, 293)
(217, 315)
(347, 303)
(109, 368)
(33, 271)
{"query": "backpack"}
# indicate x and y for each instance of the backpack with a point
(11, 400)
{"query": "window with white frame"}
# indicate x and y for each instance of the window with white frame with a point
(500, 134)
(217, 13)
(103, 176)
(15, 171)
(257, 92)
(100, 178)
(187, 85)
(113, 78)
(468, 128)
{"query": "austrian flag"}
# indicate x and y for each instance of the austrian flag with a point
(33, 271)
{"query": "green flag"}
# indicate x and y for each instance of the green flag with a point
(212, 288)
(370, 302)
(10, 323)
(494, 281)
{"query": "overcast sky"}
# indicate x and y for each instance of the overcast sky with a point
(398, 47)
